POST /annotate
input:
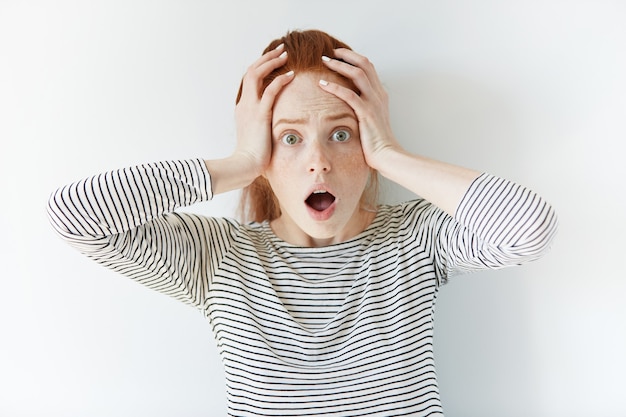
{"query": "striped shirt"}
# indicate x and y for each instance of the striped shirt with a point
(342, 330)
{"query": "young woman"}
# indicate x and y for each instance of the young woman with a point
(324, 302)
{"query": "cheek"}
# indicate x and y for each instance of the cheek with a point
(280, 174)
(354, 163)
(281, 158)
(355, 172)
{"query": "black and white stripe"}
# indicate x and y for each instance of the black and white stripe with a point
(343, 330)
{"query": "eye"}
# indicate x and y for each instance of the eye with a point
(290, 139)
(341, 135)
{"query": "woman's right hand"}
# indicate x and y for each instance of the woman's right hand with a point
(253, 116)
(253, 113)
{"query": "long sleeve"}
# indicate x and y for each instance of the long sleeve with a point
(497, 224)
(125, 220)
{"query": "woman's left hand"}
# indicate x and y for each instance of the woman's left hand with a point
(371, 107)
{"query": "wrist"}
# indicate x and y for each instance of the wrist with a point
(246, 165)
(231, 173)
(384, 158)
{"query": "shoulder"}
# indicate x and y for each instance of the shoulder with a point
(411, 212)
(211, 227)
(405, 224)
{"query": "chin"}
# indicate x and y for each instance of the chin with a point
(324, 231)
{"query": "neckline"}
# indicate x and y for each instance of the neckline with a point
(267, 230)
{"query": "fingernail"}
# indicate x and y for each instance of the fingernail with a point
(323, 82)
(284, 54)
(281, 46)
(289, 74)
(325, 58)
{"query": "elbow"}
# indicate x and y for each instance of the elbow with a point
(68, 227)
(539, 236)
(63, 217)
(56, 216)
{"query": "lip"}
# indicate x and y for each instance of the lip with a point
(322, 215)
(325, 214)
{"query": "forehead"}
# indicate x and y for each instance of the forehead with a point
(303, 97)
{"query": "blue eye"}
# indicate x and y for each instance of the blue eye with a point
(290, 139)
(341, 135)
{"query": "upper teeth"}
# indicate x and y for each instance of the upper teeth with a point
(319, 192)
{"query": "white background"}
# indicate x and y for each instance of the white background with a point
(534, 91)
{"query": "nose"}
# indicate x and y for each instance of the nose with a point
(319, 160)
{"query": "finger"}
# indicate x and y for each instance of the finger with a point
(346, 94)
(354, 66)
(356, 60)
(266, 68)
(271, 91)
(269, 55)
(353, 73)
(351, 57)
(261, 68)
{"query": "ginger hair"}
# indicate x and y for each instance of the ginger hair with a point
(304, 54)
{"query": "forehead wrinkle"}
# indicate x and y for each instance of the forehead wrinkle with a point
(303, 101)
(321, 109)
(304, 120)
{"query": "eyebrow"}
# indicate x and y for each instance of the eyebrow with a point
(301, 121)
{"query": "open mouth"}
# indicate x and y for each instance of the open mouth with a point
(320, 200)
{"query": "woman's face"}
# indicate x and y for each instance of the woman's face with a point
(317, 170)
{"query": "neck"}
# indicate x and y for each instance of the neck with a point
(287, 230)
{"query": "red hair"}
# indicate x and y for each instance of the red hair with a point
(304, 54)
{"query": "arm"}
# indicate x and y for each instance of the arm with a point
(491, 222)
(497, 224)
(253, 115)
(126, 219)
(440, 183)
